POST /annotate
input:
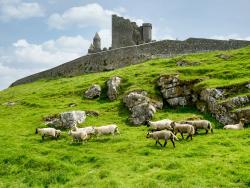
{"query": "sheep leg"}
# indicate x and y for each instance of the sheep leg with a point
(206, 131)
(43, 137)
(172, 140)
(182, 135)
(188, 137)
(159, 143)
(165, 143)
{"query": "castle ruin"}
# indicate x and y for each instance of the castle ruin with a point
(126, 33)
(130, 45)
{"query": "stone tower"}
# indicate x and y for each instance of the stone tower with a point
(147, 32)
(97, 42)
(96, 45)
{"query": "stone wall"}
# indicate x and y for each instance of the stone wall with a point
(121, 57)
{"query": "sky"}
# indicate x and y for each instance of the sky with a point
(36, 35)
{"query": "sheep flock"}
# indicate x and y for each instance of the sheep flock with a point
(164, 129)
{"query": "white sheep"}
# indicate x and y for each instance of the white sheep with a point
(51, 132)
(105, 130)
(183, 128)
(200, 124)
(160, 125)
(78, 135)
(164, 135)
(238, 126)
(89, 130)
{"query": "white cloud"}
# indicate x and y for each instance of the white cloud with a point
(82, 16)
(162, 33)
(230, 36)
(87, 16)
(25, 58)
(17, 9)
(106, 38)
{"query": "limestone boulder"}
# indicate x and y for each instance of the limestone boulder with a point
(113, 85)
(55, 123)
(222, 111)
(93, 92)
(224, 56)
(184, 63)
(72, 118)
(244, 113)
(9, 103)
(175, 91)
(140, 107)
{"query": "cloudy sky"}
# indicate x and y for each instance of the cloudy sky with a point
(37, 35)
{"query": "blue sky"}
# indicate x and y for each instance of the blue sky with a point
(37, 35)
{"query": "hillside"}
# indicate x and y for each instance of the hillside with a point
(127, 160)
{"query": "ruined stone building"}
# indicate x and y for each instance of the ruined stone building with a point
(126, 33)
(96, 45)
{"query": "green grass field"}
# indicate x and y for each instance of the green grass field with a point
(221, 159)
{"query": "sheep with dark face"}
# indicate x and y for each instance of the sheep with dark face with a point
(184, 128)
(50, 132)
(238, 126)
(162, 135)
(165, 124)
(200, 124)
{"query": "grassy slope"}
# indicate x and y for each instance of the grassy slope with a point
(128, 160)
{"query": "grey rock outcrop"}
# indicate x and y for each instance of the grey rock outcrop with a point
(176, 92)
(224, 56)
(10, 103)
(55, 123)
(213, 100)
(113, 87)
(71, 118)
(65, 119)
(140, 106)
(184, 63)
(93, 92)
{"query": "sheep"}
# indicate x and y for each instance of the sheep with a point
(164, 134)
(52, 132)
(238, 126)
(160, 125)
(105, 130)
(78, 135)
(183, 128)
(89, 130)
(200, 124)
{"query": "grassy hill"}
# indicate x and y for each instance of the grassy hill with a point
(127, 160)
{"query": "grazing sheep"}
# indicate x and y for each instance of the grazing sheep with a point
(200, 124)
(51, 132)
(89, 130)
(160, 125)
(184, 128)
(108, 129)
(238, 126)
(164, 135)
(78, 135)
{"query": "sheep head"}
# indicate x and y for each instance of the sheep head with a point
(149, 135)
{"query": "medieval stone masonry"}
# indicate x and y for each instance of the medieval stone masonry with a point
(130, 45)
